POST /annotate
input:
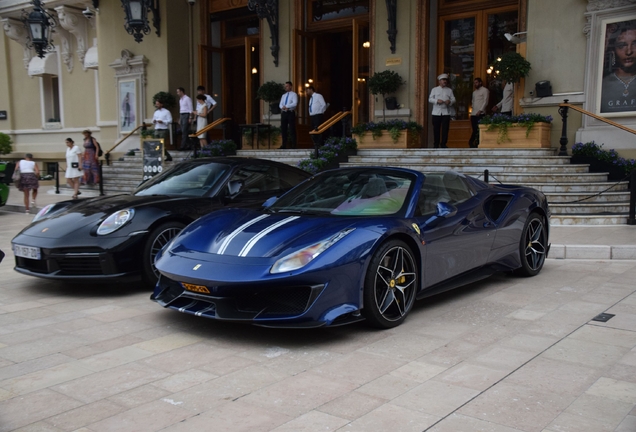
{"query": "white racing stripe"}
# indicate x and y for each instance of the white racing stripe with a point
(229, 238)
(250, 244)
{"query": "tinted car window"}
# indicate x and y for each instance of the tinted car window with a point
(257, 179)
(185, 180)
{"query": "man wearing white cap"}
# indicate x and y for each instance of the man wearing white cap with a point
(442, 98)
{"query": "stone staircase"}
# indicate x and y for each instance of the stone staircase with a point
(576, 196)
(564, 184)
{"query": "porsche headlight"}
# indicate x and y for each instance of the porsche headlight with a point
(44, 213)
(301, 258)
(115, 221)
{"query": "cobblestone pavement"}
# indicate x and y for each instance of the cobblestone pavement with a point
(506, 354)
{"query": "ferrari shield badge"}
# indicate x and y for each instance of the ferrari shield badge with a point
(416, 228)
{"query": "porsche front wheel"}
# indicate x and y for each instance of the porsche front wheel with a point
(390, 285)
(533, 246)
(158, 238)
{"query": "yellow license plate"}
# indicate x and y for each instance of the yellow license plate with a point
(196, 288)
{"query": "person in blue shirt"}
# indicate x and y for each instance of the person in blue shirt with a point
(288, 104)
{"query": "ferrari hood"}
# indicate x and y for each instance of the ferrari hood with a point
(69, 218)
(252, 234)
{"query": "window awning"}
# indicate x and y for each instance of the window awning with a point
(90, 60)
(44, 66)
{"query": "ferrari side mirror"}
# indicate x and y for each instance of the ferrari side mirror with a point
(270, 201)
(445, 209)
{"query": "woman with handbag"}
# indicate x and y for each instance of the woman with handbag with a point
(73, 169)
(90, 163)
(29, 175)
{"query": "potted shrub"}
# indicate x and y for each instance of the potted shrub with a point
(527, 130)
(390, 134)
(167, 99)
(267, 138)
(217, 148)
(5, 144)
(335, 151)
(600, 160)
(511, 66)
(271, 92)
(383, 83)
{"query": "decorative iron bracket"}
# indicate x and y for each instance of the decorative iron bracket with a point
(391, 11)
(268, 9)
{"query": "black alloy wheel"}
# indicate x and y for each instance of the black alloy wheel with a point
(158, 238)
(533, 246)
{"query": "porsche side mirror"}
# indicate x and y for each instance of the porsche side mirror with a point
(270, 201)
(445, 210)
(234, 187)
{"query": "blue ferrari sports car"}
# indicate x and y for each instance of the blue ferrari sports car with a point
(352, 244)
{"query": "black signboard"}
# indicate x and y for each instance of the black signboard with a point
(3, 115)
(152, 151)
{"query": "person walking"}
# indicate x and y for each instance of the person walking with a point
(442, 98)
(317, 108)
(90, 161)
(505, 104)
(29, 183)
(161, 119)
(185, 110)
(73, 169)
(288, 104)
(201, 114)
(480, 102)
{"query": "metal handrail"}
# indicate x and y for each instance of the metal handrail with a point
(598, 117)
(332, 121)
(209, 127)
(143, 125)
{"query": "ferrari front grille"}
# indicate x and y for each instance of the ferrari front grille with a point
(281, 301)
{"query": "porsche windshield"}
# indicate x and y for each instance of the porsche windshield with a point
(348, 193)
(194, 180)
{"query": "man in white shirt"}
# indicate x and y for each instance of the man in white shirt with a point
(185, 112)
(288, 104)
(505, 105)
(162, 120)
(211, 103)
(480, 103)
(317, 108)
(442, 98)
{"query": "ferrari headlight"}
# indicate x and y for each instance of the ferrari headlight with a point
(301, 258)
(42, 214)
(115, 221)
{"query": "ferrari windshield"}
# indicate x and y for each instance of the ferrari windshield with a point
(348, 193)
(190, 179)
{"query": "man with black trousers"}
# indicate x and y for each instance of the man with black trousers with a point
(480, 102)
(317, 107)
(288, 104)
(185, 116)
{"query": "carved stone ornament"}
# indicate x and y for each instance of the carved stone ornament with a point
(599, 5)
(15, 30)
(71, 19)
(63, 39)
(129, 64)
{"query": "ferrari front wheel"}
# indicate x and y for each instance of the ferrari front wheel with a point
(158, 238)
(533, 245)
(390, 285)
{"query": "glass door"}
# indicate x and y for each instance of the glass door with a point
(252, 79)
(360, 72)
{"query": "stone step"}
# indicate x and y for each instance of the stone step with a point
(457, 152)
(570, 197)
(471, 169)
(590, 208)
(471, 160)
(526, 178)
(565, 187)
(583, 219)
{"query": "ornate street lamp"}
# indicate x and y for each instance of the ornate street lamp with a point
(39, 23)
(137, 17)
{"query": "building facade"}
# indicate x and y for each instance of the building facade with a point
(99, 78)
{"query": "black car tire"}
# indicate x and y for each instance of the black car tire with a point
(390, 285)
(533, 246)
(158, 238)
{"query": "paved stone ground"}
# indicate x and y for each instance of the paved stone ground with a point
(506, 354)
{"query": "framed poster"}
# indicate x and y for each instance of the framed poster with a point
(618, 67)
(152, 155)
(127, 105)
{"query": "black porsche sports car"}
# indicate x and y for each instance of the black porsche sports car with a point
(117, 237)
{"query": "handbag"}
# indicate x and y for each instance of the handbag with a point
(100, 153)
(74, 164)
(16, 175)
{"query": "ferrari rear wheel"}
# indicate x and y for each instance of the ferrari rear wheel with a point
(390, 285)
(533, 246)
(158, 238)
